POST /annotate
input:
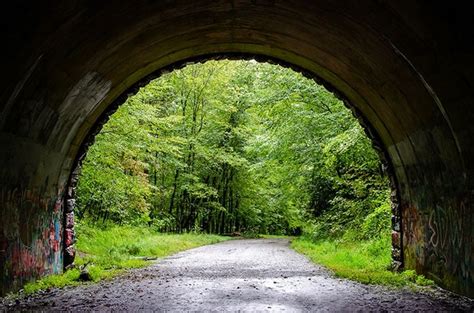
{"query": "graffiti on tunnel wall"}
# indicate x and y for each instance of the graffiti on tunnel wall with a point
(30, 235)
(451, 247)
(439, 239)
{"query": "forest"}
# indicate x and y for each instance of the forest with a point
(235, 147)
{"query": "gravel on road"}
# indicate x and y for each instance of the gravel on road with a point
(238, 275)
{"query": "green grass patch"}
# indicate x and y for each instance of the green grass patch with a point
(66, 279)
(365, 261)
(277, 237)
(110, 251)
(123, 247)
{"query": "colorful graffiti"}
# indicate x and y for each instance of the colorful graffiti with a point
(30, 236)
(437, 242)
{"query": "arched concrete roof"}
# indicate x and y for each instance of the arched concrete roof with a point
(405, 66)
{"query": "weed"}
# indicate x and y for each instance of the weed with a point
(363, 261)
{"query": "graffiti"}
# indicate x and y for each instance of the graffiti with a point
(438, 241)
(30, 236)
(445, 228)
(413, 238)
(449, 243)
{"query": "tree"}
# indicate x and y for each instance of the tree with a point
(229, 146)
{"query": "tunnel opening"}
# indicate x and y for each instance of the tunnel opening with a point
(405, 66)
(396, 236)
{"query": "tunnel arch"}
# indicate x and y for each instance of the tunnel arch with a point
(89, 139)
(395, 63)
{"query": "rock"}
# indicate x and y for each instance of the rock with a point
(84, 274)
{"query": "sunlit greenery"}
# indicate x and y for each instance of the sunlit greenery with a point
(365, 261)
(107, 252)
(122, 246)
(239, 147)
(233, 146)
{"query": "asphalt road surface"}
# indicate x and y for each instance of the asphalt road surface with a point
(238, 275)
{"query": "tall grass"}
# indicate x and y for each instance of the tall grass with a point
(122, 247)
(108, 252)
(365, 261)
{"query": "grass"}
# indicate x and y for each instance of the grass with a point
(365, 261)
(108, 252)
(277, 237)
(111, 251)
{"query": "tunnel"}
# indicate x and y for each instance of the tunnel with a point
(405, 68)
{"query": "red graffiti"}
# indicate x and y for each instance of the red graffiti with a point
(69, 237)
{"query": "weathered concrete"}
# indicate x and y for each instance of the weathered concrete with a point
(406, 67)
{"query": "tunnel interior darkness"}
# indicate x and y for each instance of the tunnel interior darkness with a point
(405, 67)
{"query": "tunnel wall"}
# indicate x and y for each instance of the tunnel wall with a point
(405, 66)
(32, 219)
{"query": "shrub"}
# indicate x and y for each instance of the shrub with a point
(376, 223)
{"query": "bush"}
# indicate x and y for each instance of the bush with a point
(413, 277)
(377, 223)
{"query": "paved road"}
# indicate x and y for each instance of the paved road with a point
(238, 275)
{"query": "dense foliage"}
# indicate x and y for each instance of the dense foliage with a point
(235, 146)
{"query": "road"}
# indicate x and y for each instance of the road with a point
(238, 275)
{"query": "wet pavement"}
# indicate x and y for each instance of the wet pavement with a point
(238, 275)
